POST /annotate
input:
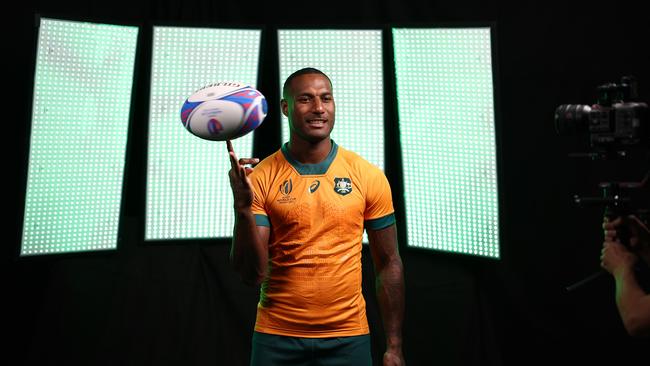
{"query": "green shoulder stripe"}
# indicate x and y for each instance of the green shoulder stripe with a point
(262, 220)
(380, 223)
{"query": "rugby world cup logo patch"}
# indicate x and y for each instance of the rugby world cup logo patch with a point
(286, 187)
(342, 186)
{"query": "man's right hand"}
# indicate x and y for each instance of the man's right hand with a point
(241, 186)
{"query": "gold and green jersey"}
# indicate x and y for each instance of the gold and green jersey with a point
(317, 214)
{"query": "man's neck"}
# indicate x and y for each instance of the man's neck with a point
(308, 152)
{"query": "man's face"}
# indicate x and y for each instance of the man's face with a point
(309, 105)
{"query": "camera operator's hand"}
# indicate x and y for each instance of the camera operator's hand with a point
(632, 301)
(616, 258)
(636, 231)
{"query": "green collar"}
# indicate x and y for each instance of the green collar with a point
(311, 169)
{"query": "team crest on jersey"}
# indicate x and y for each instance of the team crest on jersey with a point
(342, 186)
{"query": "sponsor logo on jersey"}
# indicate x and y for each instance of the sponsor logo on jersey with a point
(342, 186)
(314, 186)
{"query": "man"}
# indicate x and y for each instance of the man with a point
(632, 301)
(300, 216)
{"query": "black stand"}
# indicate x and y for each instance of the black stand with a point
(585, 280)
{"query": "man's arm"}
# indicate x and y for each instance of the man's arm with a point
(632, 302)
(390, 289)
(249, 250)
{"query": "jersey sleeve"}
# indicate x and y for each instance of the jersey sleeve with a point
(258, 207)
(379, 202)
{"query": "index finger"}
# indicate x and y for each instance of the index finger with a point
(612, 224)
(233, 157)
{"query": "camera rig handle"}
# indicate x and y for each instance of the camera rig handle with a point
(618, 199)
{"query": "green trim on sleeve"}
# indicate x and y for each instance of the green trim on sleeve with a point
(380, 223)
(262, 220)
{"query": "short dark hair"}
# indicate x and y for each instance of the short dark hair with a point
(303, 71)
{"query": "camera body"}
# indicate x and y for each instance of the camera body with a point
(614, 124)
(617, 127)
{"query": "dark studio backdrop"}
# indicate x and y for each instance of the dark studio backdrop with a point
(181, 304)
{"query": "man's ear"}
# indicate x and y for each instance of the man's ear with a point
(284, 105)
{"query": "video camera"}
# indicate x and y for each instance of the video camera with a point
(617, 123)
(617, 127)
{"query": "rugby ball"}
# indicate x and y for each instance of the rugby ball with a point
(223, 111)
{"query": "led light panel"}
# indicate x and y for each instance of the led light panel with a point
(80, 116)
(188, 191)
(446, 121)
(352, 59)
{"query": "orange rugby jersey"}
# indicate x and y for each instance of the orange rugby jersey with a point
(317, 214)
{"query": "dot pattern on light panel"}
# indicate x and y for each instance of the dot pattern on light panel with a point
(188, 192)
(80, 116)
(352, 59)
(446, 121)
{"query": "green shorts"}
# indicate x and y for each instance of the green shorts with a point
(275, 350)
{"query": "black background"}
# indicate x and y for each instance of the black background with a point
(179, 303)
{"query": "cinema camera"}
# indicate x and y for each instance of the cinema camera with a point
(617, 127)
(617, 122)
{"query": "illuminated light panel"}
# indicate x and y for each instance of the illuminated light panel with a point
(353, 61)
(447, 128)
(80, 116)
(188, 191)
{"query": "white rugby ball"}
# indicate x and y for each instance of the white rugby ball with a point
(223, 111)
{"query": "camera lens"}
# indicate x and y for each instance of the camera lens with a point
(572, 119)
